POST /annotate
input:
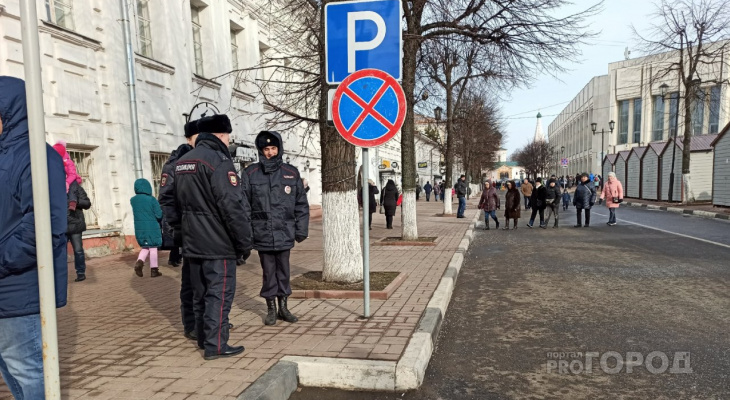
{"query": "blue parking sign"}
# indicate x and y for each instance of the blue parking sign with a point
(362, 35)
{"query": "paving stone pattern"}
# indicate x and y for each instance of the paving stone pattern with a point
(121, 337)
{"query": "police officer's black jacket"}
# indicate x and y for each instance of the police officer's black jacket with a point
(167, 194)
(279, 207)
(212, 207)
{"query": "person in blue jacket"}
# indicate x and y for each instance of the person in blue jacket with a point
(21, 347)
(147, 230)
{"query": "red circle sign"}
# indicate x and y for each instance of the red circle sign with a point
(369, 108)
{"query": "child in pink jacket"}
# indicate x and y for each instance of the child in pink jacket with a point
(68, 164)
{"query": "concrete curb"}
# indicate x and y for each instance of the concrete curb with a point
(677, 210)
(279, 382)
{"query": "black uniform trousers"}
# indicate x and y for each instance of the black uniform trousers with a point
(588, 215)
(214, 285)
(186, 298)
(276, 273)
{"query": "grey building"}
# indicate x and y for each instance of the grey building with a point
(721, 169)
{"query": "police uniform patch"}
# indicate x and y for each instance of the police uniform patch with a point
(287, 189)
(233, 178)
(163, 180)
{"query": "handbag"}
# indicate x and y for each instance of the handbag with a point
(616, 200)
(382, 209)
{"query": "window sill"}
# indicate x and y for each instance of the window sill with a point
(154, 64)
(70, 36)
(206, 82)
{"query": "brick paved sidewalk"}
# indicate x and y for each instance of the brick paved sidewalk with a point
(121, 337)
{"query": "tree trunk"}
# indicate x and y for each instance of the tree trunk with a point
(340, 219)
(689, 99)
(449, 143)
(408, 146)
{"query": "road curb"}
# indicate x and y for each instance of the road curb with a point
(279, 382)
(677, 210)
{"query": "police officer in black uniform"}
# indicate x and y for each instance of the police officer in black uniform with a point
(279, 216)
(172, 215)
(216, 230)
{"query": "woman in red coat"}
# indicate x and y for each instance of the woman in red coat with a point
(613, 194)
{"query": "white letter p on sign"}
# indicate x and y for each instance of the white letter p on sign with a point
(353, 46)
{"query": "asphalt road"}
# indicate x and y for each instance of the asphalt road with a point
(524, 295)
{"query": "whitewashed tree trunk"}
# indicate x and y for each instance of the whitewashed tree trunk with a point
(341, 235)
(688, 194)
(448, 209)
(410, 223)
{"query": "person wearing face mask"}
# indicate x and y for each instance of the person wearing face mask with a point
(279, 218)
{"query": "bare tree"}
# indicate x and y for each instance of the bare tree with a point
(536, 157)
(524, 36)
(693, 37)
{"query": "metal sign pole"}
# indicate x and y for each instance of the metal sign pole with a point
(366, 232)
(41, 198)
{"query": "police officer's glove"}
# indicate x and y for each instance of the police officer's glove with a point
(243, 257)
(300, 239)
(240, 261)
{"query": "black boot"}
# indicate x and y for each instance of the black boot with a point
(284, 313)
(486, 224)
(226, 351)
(271, 315)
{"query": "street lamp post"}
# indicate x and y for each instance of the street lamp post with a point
(562, 153)
(663, 88)
(594, 126)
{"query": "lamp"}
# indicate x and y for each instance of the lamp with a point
(594, 126)
(288, 159)
(424, 96)
(611, 125)
(437, 113)
(307, 164)
(663, 90)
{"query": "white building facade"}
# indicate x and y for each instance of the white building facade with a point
(179, 49)
(631, 96)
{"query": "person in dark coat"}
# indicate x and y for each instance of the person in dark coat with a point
(215, 217)
(418, 192)
(280, 217)
(489, 203)
(512, 205)
(552, 198)
(428, 189)
(78, 201)
(538, 203)
(583, 198)
(372, 201)
(389, 201)
(147, 219)
(461, 192)
(170, 209)
(21, 345)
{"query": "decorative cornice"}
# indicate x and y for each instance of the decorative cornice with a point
(154, 64)
(69, 36)
(206, 82)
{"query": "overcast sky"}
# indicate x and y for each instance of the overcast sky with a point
(549, 95)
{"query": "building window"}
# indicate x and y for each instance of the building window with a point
(60, 12)
(623, 122)
(234, 50)
(714, 109)
(143, 28)
(637, 121)
(158, 161)
(673, 107)
(85, 167)
(197, 42)
(698, 113)
(658, 119)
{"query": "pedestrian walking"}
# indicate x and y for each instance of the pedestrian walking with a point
(597, 183)
(215, 217)
(538, 202)
(613, 193)
(21, 345)
(566, 199)
(147, 218)
(512, 205)
(436, 191)
(372, 202)
(526, 190)
(418, 192)
(583, 199)
(280, 213)
(172, 215)
(389, 201)
(78, 201)
(552, 200)
(428, 188)
(489, 203)
(461, 191)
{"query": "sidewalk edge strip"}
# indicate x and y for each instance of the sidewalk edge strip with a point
(677, 210)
